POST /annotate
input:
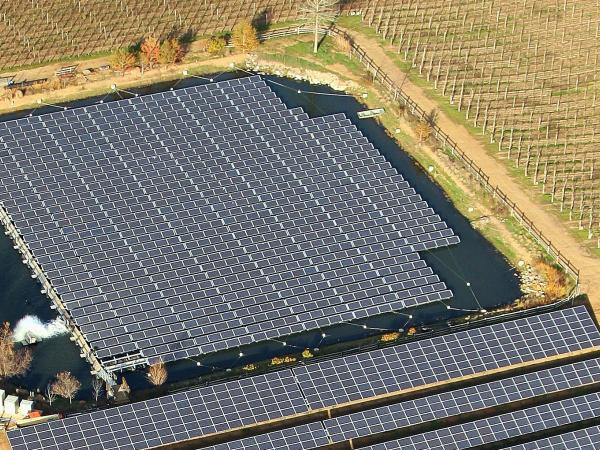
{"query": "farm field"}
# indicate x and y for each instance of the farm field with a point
(524, 75)
(38, 31)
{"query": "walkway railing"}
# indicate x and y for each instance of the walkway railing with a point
(449, 144)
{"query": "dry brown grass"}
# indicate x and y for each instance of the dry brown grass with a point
(423, 131)
(556, 281)
(342, 44)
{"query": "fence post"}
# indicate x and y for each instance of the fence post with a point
(392, 88)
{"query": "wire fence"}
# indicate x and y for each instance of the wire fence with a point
(399, 96)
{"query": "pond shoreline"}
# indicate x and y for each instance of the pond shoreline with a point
(373, 127)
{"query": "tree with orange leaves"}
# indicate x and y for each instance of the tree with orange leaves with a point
(149, 51)
(157, 373)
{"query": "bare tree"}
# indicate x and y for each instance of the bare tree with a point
(50, 394)
(157, 373)
(66, 385)
(14, 361)
(97, 387)
(318, 13)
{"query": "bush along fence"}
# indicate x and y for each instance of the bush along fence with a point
(396, 93)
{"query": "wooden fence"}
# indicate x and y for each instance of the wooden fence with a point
(396, 93)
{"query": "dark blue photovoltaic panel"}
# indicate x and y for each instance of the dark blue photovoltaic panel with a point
(585, 439)
(196, 220)
(461, 401)
(256, 399)
(171, 418)
(498, 428)
(302, 437)
(441, 358)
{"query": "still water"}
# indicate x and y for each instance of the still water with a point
(473, 261)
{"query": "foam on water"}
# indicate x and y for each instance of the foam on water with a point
(32, 326)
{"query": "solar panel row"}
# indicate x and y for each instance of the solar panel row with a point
(203, 219)
(461, 401)
(441, 358)
(585, 439)
(302, 437)
(498, 428)
(171, 418)
(224, 406)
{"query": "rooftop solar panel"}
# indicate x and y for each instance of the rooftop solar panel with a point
(191, 221)
(171, 418)
(302, 437)
(441, 358)
(461, 401)
(498, 428)
(584, 439)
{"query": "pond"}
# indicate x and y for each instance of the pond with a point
(476, 272)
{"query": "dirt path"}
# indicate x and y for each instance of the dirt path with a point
(4, 444)
(554, 229)
(103, 85)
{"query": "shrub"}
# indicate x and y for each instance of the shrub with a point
(556, 282)
(215, 45)
(122, 60)
(278, 361)
(307, 354)
(342, 44)
(388, 337)
(169, 52)
(423, 130)
(157, 373)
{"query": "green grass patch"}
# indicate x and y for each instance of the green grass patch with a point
(300, 54)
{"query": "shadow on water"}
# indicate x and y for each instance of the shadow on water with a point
(474, 260)
(20, 296)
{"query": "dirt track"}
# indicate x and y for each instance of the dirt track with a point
(554, 229)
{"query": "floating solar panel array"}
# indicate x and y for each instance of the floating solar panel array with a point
(171, 418)
(302, 437)
(201, 219)
(585, 439)
(441, 358)
(498, 428)
(461, 401)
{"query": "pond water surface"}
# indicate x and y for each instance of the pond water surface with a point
(476, 272)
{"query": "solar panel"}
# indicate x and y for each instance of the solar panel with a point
(498, 428)
(584, 439)
(197, 220)
(461, 401)
(440, 358)
(171, 418)
(302, 437)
